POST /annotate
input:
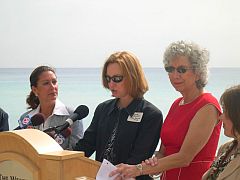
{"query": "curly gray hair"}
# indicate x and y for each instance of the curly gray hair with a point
(198, 58)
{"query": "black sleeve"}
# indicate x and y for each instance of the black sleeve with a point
(88, 142)
(4, 126)
(148, 136)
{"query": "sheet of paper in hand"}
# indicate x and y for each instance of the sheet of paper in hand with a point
(104, 171)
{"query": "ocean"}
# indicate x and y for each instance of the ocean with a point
(83, 86)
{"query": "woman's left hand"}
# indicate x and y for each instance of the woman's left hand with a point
(125, 171)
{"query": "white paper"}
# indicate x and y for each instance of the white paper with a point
(104, 171)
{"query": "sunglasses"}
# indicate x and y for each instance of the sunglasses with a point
(116, 79)
(180, 69)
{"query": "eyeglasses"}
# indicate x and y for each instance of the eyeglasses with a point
(180, 69)
(116, 79)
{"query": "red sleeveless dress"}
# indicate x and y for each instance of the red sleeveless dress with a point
(174, 130)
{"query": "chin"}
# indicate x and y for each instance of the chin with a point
(114, 95)
(178, 90)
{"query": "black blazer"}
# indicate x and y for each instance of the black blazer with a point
(135, 141)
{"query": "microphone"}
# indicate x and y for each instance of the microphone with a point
(61, 137)
(30, 122)
(38, 119)
(80, 113)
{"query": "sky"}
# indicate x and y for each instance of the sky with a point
(84, 33)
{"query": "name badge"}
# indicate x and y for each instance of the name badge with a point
(136, 117)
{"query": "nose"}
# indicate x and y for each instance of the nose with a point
(175, 74)
(111, 84)
(53, 85)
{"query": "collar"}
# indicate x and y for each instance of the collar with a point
(130, 109)
(59, 109)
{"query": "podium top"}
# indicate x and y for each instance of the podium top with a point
(39, 140)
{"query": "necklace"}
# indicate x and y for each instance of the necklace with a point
(219, 164)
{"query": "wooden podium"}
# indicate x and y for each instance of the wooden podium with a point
(30, 154)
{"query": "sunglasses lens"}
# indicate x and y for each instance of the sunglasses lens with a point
(181, 70)
(169, 69)
(116, 79)
(108, 79)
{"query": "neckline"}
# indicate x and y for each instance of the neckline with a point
(181, 102)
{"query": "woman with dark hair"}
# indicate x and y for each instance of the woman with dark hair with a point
(124, 129)
(227, 164)
(43, 98)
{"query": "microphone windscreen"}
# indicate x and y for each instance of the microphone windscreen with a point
(37, 119)
(82, 111)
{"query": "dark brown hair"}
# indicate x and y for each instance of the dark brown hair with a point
(230, 101)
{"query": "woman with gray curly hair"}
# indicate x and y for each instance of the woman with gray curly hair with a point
(197, 56)
(191, 130)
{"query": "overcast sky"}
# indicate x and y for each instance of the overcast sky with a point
(83, 33)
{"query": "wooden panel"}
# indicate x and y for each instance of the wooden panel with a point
(42, 156)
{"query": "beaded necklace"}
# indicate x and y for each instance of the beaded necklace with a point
(219, 164)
